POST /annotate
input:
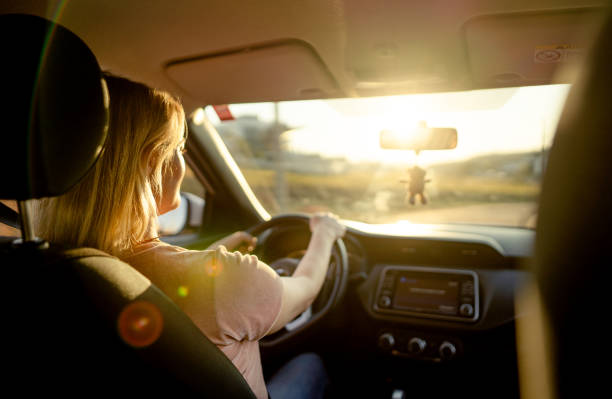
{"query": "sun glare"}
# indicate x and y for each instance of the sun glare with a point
(326, 155)
(486, 122)
(525, 121)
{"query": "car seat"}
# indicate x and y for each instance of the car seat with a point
(573, 247)
(76, 321)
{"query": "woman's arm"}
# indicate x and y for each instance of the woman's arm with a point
(238, 241)
(300, 290)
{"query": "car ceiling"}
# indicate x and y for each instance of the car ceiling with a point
(219, 51)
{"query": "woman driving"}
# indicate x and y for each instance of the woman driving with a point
(233, 298)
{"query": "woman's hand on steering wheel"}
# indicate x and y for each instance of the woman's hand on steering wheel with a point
(328, 225)
(328, 229)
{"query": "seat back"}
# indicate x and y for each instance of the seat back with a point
(79, 322)
(76, 321)
(573, 239)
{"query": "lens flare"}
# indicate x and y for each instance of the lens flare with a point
(140, 324)
(183, 291)
(213, 267)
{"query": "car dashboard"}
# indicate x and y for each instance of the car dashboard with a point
(426, 302)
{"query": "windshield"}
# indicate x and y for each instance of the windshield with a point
(325, 155)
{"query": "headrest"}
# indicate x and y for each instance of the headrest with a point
(54, 108)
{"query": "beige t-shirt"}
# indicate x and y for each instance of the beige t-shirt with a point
(233, 298)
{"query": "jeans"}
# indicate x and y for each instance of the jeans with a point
(303, 377)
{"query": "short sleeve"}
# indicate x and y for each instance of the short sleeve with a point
(248, 295)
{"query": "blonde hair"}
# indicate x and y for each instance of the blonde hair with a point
(115, 204)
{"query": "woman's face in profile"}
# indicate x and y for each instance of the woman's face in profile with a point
(171, 182)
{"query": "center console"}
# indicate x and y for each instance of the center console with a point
(430, 293)
(434, 293)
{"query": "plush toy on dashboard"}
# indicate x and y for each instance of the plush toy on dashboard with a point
(416, 185)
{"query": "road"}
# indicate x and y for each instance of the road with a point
(505, 214)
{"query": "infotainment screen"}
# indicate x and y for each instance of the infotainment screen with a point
(428, 295)
(435, 293)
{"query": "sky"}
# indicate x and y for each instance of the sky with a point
(487, 121)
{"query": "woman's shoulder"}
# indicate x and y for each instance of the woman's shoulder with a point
(160, 251)
(159, 248)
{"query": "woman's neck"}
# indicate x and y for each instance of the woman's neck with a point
(151, 232)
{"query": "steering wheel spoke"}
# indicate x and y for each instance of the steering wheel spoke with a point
(300, 320)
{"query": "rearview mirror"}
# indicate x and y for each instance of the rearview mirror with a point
(419, 138)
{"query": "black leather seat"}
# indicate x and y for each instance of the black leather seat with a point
(77, 322)
(573, 252)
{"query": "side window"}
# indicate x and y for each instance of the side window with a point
(5, 229)
(191, 184)
(187, 218)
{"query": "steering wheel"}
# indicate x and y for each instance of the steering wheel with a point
(333, 287)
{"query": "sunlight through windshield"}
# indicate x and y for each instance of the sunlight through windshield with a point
(325, 155)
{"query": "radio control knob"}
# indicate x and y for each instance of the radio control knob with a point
(386, 341)
(447, 350)
(416, 345)
(466, 309)
(384, 301)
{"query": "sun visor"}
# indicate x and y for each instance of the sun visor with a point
(288, 70)
(529, 48)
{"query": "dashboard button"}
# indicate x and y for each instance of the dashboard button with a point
(384, 301)
(388, 283)
(416, 345)
(466, 310)
(447, 350)
(386, 341)
(467, 288)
